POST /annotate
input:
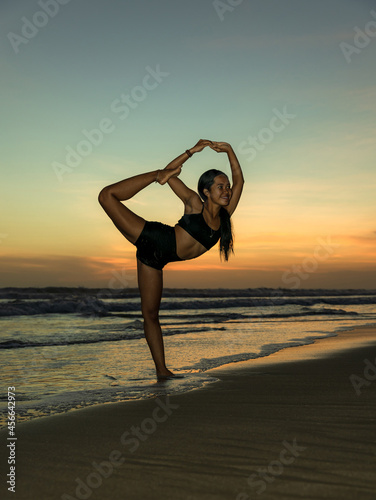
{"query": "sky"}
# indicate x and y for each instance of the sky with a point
(94, 92)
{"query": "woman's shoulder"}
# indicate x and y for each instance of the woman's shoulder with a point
(194, 205)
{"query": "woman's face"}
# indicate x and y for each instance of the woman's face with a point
(220, 191)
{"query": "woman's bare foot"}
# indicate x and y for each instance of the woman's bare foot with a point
(166, 174)
(164, 374)
(167, 375)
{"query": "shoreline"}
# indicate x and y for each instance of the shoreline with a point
(197, 385)
(292, 424)
(310, 350)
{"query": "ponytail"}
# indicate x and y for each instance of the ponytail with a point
(226, 243)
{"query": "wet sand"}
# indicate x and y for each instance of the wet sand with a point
(300, 423)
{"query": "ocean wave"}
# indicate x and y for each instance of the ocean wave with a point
(49, 293)
(223, 317)
(267, 349)
(309, 312)
(209, 363)
(136, 333)
(92, 306)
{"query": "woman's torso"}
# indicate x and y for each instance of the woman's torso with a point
(196, 226)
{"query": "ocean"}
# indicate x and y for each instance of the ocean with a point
(67, 348)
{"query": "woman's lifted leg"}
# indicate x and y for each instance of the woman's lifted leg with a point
(129, 223)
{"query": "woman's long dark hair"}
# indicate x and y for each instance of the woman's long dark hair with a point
(226, 243)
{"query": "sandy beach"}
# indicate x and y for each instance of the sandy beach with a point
(297, 424)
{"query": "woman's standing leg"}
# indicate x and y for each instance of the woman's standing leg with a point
(150, 283)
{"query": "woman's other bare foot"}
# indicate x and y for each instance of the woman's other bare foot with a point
(166, 174)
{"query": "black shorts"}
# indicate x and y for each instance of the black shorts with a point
(156, 245)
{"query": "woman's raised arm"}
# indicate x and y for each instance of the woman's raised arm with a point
(179, 160)
(236, 172)
(173, 169)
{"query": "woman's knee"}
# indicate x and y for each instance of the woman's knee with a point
(105, 195)
(150, 315)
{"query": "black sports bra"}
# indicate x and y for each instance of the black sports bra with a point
(196, 226)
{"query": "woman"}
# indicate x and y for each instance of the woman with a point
(203, 224)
